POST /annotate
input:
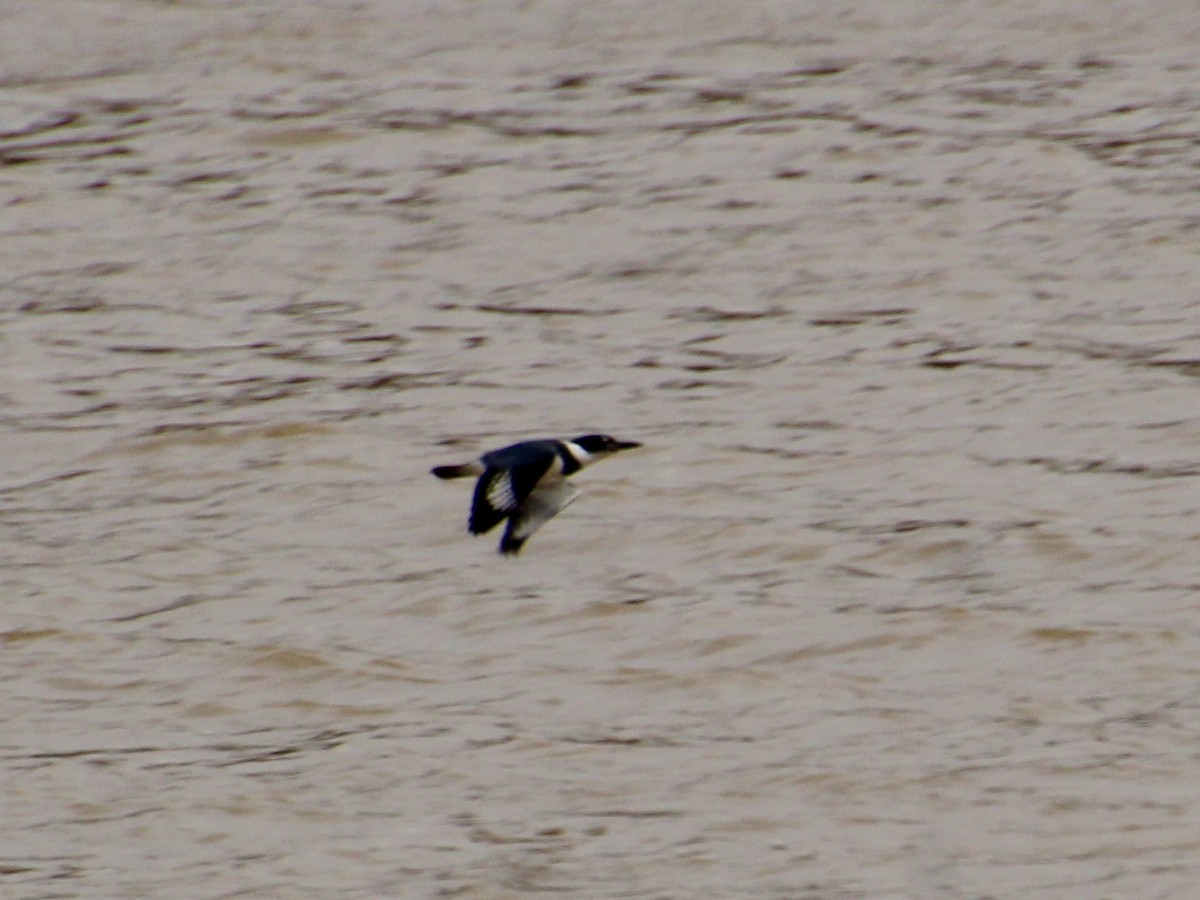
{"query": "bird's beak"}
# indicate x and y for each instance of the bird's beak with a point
(625, 445)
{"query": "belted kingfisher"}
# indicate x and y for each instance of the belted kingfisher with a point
(526, 483)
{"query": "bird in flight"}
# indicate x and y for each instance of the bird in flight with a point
(526, 483)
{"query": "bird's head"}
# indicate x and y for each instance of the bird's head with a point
(598, 445)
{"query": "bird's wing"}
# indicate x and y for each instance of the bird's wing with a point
(542, 505)
(494, 500)
(500, 492)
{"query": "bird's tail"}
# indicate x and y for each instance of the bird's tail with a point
(469, 470)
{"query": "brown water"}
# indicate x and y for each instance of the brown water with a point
(900, 598)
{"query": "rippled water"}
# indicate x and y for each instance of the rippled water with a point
(897, 601)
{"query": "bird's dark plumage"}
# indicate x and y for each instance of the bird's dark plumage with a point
(525, 483)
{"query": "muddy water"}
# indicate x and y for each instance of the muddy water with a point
(898, 600)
